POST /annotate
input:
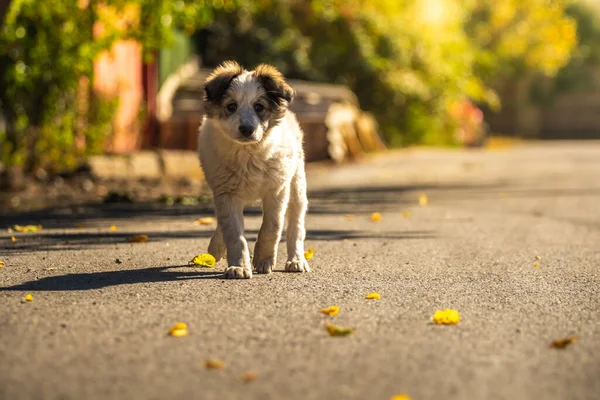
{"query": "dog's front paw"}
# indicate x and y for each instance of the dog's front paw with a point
(237, 273)
(264, 266)
(297, 265)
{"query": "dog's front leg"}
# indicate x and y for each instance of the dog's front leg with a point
(296, 232)
(230, 217)
(265, 251)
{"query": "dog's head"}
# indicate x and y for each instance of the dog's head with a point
(247, 103)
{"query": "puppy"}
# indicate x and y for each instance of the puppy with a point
(250, 148)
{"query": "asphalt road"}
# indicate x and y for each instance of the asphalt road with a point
(97, 329)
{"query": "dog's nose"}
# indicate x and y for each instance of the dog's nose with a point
(246, 130)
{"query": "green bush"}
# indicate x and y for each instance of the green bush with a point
(47, 47)
(44, 49)
(408, 61)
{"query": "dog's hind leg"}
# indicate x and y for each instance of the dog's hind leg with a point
(265, 251)
(296, 232)
(217, 246)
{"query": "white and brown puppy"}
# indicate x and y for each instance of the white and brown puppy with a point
(250, 148)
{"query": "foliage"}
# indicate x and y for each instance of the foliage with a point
(514, 37)
(581, 73)
(409, 61)
(47, 51)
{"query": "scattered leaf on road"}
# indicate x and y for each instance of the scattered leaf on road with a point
(2, 264)
(249, 376)
(28, 297)
(349, 217)
(80, 225)
(562, 343)
(538, 257)
(27, 228)
(373, 296)
(423, 200)
(446, 317)
(13, 239)
(536, 265)
(50, 269)
(336, 330)
(179, 329)
(113, 228)
(331, 311)
(376, 217)
(205, 221)
(309, 253)
(406, 214)
(400, 397)
(204, 260)
(214, 364)
(138, 239)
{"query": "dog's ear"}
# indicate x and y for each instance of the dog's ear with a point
(275, 85)
(219, 80)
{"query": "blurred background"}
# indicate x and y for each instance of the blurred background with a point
(86, 77)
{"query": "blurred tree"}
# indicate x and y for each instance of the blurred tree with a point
(46, 48)
(409, 61)
(405, 65)
(582, 73)
(516, 37)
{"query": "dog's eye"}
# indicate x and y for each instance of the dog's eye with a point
(231, 107)
(259, 107)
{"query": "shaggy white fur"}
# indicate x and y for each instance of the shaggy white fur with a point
(263, 161)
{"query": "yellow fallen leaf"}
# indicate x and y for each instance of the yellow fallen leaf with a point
(179, 329)
(373, 296)
(536, 265)
(138, 239)
(214, 364)
(423, 199)
(349, 217)
(400, 397)
(562, 343)
(376, 217)
(249, 376)
(204, 260)
(309, 253)
(27, 228)
(446, 317)
(28, 297)
(2, 264)
(205, 221)
(331, 311)
(406, 214)
(538, 257)
(13, 239)
(113, 228)
(336, 330)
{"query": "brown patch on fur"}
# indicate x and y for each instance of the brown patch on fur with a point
(217, 84)
(279, 93)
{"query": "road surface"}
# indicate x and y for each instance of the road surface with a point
(97, 327)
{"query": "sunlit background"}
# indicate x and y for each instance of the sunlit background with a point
(118, 76)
